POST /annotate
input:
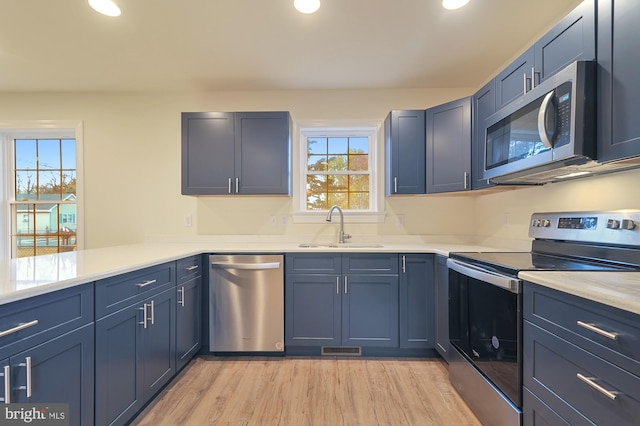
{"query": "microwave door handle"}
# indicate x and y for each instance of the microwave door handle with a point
(542, 122)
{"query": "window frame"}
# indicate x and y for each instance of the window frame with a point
(36, 129)
(340, 128)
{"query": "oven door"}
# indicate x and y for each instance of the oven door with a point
(485, 324)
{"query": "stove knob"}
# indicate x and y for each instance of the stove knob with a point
(546, 223)
(613, 224)
(627, 224)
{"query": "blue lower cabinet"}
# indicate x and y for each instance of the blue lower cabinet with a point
(417, 306)
(58, 371)
(370, 311)
(189, 321)
(135, 356)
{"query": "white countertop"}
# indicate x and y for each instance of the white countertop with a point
(31, 276)
(617, 289)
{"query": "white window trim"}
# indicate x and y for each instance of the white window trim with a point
(373, 129)
(12, 129)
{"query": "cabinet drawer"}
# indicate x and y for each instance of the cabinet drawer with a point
(551, 371)
(313, 263)
(120, 291)
(370, 263)
(559, 313)
(41, 318)
(188, 268)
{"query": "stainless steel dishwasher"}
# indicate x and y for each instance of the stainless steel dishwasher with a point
(246, 303)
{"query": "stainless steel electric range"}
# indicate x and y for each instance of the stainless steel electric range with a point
(485, 300)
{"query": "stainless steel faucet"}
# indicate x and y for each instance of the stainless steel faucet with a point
(342, 236)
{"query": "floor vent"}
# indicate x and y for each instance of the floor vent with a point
(342, 350)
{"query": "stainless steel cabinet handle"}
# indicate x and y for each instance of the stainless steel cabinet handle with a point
(524, 83)
(395, 184)
(592, 327)
(337, 285)
(229, 265)
(153, 313)
(27, 364)
(191, 268)
(144, 315)
(533, 77)
(346, 285)
(404, 264)
(181, 301)
(237, 185)
(591, 381)
(229, 185)
(146, 283)
(7, 385)
(466, 178)
(18, 328)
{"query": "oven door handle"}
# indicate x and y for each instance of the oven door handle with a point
(504, 281)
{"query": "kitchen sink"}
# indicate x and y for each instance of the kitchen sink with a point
(342, 245)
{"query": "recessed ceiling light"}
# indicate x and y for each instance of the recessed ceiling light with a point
(454, 4)
(306, 6)
(106, 7)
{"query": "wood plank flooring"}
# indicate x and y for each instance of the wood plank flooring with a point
(309, 391)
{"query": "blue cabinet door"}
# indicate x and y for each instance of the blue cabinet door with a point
(449, 146)
(572, 39)
(442, 307)
(118, 366)
(262, 153)
(515, 79)
(207, 153)
(484, 104)
(618, 89)
(417, 309)
(158, 343)
(312, 310)
(405, 149)
(61, 371)
(189, 320)
(370, 310)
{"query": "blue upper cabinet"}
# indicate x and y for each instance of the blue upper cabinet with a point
(618, 88)
(405, 151)
(572, 39)
(226, 153)
(484, 104)
(449, 146)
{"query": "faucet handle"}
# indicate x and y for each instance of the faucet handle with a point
(346, 237)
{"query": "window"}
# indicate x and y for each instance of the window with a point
(43, 191)
(337, 166)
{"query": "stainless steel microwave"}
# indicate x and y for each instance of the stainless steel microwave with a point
(548, 133)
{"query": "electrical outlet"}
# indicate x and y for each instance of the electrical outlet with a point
(284, 219)
(400, 220)
(507, 220)
(187, 221)
(273, 220)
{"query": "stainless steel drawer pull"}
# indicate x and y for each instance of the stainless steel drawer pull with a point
(592, 327)
(395, 185)
(337, 285)
(181, 301)
(18, 328)
(146, 283)
(7, 385)
(153, 313)
(191, 268)
(346, 285)
(591, 381)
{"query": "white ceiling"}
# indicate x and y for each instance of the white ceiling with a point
(63, 45)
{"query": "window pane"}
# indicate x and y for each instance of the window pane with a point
(337, 163)
(25, 185)
(49, 185)
(359, 200)
(359, 183)
(49, 154)
(317, 163)
(44, 229)
(338, 145)
(358, 162)
(68, 184)
(68, 153)
(338, 183)
(317, 145)
(358, 145)
(338, 198)
(316, 192)
(25, 151)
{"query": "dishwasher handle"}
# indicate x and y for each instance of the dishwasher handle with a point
(251, 266)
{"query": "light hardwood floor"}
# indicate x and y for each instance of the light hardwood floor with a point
(309, 391)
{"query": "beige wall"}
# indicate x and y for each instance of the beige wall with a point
(132, 169)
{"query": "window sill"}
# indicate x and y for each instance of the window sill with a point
(349, 217)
